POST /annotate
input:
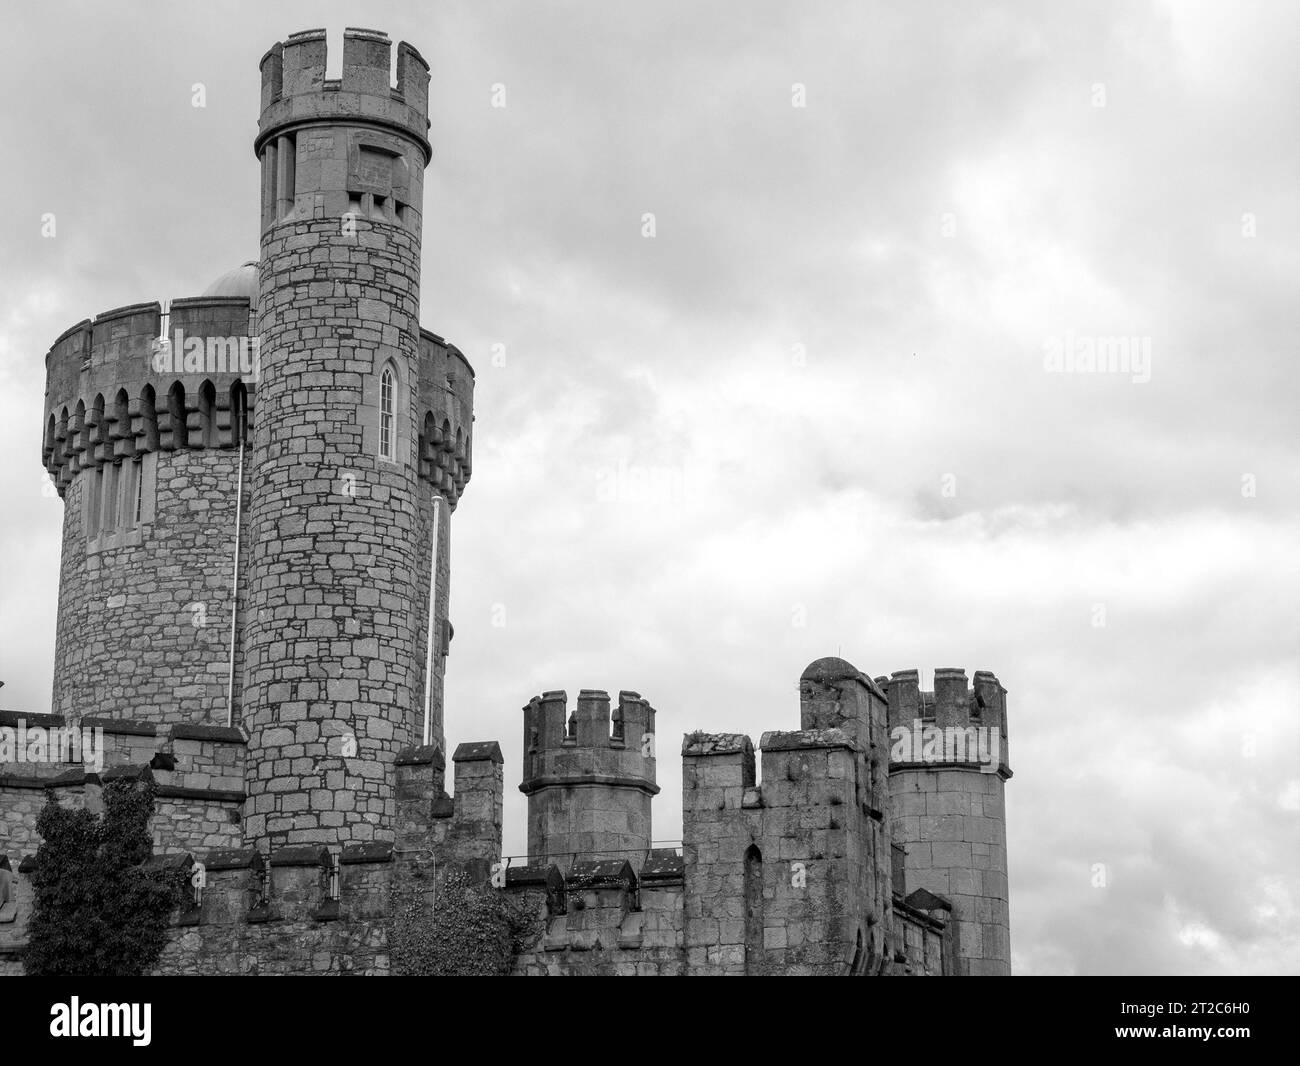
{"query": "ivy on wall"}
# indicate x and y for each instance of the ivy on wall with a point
(97, 911)
(471, 930)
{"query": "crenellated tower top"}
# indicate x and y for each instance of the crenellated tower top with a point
(614, 744)
(336, 146)
(295, 91)
(589, 776)
(957, 708)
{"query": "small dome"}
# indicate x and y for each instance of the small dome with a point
(829, 670)
(242, 281)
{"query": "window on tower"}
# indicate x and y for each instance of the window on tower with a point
(387, 393)
(110, 485)
(119, 501)
(94, 495)
(137, 494)
(384, 413)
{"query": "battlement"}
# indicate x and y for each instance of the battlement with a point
(242, 909)
(780, 875)
(116, 389)
(295, 90)
(604, 919)
(969, 716)
(354, 146)
(593, 738)
(446, 390)
(805, 768)
(287, 909)
(246, 905)
(464, 828)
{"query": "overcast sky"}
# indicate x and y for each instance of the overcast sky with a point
(812, 414)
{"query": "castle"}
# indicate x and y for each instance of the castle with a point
(258, 486)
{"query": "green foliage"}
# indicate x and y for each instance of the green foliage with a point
(97, 911)
(472, 930)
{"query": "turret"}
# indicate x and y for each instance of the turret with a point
(949, 763)
(145, 424)
(351, 144)
(361, 448)
(589, 777)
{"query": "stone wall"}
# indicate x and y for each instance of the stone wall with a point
(921, 948)
(710, 909)
(23, 783)
(607, 920)
(144, 629)
(294, 913)
(288, 917)
(198, 772)
(15, 910)
(334, 648)
(791, 876)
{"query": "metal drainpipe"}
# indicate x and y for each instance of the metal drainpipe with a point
(234, 580)
(433, 610)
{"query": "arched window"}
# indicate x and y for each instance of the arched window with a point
(388, 426)
(387, 423)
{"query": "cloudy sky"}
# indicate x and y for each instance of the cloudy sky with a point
(815, 412)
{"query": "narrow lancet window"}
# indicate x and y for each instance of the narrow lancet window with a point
(387, 448)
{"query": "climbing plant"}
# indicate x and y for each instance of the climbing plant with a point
(97, 910)
(470, 930)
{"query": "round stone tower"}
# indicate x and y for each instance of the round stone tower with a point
(146, 420)
(949, 763)
(589, 777)
(361, 448)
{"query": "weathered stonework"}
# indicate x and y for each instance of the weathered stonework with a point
(793, 874)
(589, 776)
(144, 625)
(253, 616)
(951, 818)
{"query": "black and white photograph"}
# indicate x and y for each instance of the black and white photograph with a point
(651, 489)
